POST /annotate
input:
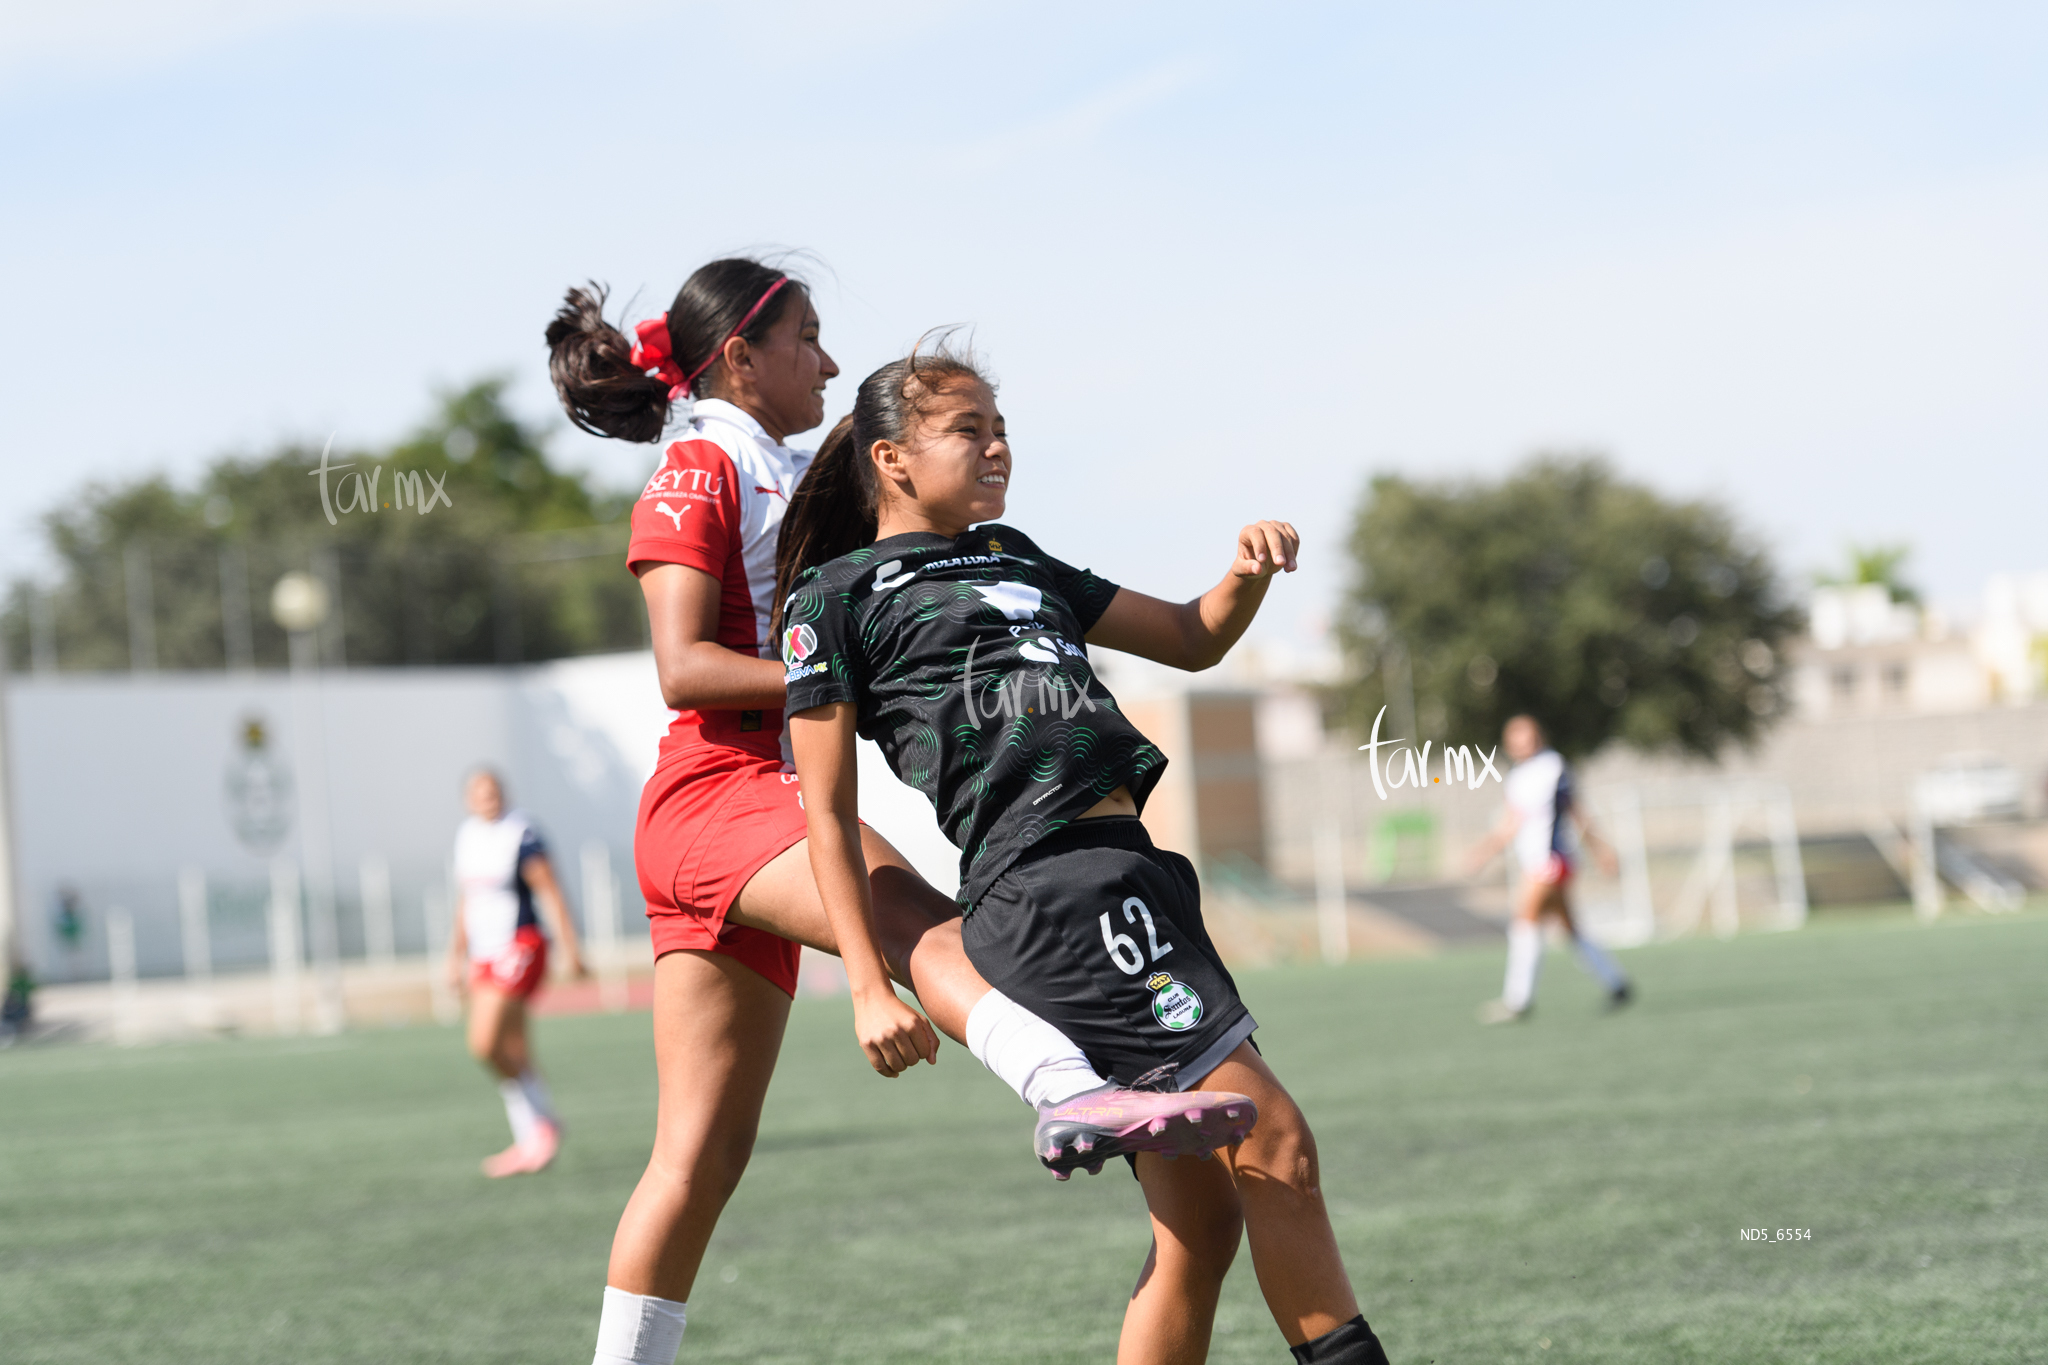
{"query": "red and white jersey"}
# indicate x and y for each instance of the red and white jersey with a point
(1539, 791)
(717, 504)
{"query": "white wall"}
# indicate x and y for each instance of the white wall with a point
(120, 781)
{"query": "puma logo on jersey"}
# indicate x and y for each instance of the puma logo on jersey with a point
(671, 513)
(1017, 601)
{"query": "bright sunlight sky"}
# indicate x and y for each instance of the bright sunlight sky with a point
(1227, 261)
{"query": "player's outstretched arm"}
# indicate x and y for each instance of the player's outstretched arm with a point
(1497, 839)
(540, 875)
(1196, 635)
(1603, 852)
(893, 1035)
(458, 949)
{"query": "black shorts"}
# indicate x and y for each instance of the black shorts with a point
(1100, 934)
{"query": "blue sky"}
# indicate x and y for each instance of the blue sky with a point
(1226, 262)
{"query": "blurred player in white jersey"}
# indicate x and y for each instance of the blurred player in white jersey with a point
(1541, 814)
(505, 882)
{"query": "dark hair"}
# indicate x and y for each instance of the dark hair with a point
(591, 361)
(832, 512)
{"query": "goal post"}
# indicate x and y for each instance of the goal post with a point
(1704, 854)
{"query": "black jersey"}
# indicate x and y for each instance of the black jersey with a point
(965, 663)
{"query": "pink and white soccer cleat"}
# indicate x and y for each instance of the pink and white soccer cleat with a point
(529, 1158)
(1092, 1127)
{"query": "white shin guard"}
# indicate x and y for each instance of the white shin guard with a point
(1029, 1055)
(536, 1091)
(1525, 955)
(518, 1110)
(639, 1329)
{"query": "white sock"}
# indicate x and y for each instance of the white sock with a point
(1027, 1054)
(638, 1329)
(1525, 955)
(536, 1091)
(518, 1110)
(1598, 962)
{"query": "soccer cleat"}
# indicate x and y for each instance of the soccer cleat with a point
(529, 1158)
(1500, 1012)
(1620, 996)
(512, 1161)
(1109, 1122)
(547, 1140)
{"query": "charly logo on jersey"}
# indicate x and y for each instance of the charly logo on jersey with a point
(892, 575)
(1174, 1003)
(797, 643)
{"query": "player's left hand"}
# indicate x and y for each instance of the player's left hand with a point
(894, 1036)
(1265, 548)
(579, 970)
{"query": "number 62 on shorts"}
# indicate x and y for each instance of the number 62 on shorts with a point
(1123, 949)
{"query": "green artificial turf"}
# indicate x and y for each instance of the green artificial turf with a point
(1569, 1189)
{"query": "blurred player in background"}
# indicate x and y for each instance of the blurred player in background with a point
(1537, 825)
(503, 877)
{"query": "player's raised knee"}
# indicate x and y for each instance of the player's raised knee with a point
(1283, 1150)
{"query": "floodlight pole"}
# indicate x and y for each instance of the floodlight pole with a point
(314, 835)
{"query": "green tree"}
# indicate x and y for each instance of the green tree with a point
(1880, 564)
(516, 560)
(1595, 605)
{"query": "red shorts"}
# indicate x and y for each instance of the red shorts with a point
(700, 839)
(1554, 872)
(518, 968)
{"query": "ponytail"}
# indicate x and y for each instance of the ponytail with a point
(832, 513)
(835, 507)
(591, 361)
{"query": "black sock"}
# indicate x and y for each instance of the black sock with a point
(1351, 1344)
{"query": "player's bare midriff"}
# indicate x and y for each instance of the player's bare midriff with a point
(1118, 802)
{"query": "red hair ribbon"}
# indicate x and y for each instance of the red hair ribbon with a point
(653, 352)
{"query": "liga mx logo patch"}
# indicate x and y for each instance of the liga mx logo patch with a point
(797, 644)
(1174, 1003)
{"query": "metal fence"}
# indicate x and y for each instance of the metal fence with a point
(152, 606)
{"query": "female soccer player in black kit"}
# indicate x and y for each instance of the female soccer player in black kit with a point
(911, 617)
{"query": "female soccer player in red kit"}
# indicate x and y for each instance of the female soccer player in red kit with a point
(719, 846)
